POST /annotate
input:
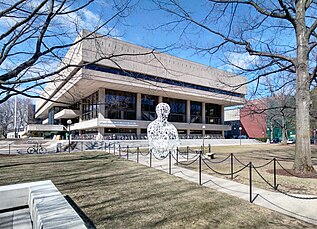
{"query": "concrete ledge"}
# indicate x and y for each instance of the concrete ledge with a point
(48, 208)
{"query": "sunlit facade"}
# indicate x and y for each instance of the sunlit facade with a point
(117, 98)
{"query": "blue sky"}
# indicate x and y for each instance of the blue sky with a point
(142, 27)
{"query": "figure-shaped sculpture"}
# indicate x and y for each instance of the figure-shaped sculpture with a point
(162, 135)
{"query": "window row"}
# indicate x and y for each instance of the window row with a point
(122, 105)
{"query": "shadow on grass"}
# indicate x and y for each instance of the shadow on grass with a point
(81, 158)
(88, 222)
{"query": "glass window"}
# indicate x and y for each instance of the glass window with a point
(148, 105)
(120, 105)
(178, 109)
(213, 113)
(195, 112)
(51, 113)
(90, 107)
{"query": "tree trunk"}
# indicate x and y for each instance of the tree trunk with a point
(302, 163)
(283, 131)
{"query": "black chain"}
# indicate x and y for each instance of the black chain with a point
(215, 162)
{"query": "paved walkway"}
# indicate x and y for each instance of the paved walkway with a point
(305, 210)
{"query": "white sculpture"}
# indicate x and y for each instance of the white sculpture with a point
(162, 135)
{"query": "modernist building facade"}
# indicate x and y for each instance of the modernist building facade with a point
(118, 95)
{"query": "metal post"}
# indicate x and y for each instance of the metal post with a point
(170, 163)
(275, 186)
(114, 148)
(109, 146)
(9, 147)
(187, 152)
(177, 156)
(127, 152)
(199, 168)
(250, 176)
(209, 148)
(150, 158)
(231, 163)
(119, 150)
(137, 154)
(68, 138)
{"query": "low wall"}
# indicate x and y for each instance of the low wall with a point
(48, 208)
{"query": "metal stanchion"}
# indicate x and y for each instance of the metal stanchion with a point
(127, 152)
(119, 150)
(209, 148)
(170, 163)
(250, 176)
(137, 154)
(9, 148)
(177, 156)
(275, 185)
(231, 163)
(199, 168)
(150, 158)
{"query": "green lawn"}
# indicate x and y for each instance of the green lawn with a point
(115, 193)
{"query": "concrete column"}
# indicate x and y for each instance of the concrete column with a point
(81, 110)
(138, 107)
(203, 115)
(101, 133)
(160, 99)
(188, 132)
(101, 100)
(188, 111)
(138, 132)
(222, 121)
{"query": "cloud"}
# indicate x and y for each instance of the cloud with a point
(240, 60)
(86, 19)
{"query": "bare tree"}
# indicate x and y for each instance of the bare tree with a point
(36, 35)
(281, 113)
(7, 115)
(276, 37)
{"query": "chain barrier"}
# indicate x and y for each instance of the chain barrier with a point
(183, 154)
(160, 159)
(240, 162)
(261, 166)
(132, 152)
(272, 186)
(144, 155)
(199, 155)
(291, 173)
(215, 162)
(297, 197)
(224, 174)
(186, 164)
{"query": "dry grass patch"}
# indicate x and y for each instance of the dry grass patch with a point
(115, 193)
(260, 155)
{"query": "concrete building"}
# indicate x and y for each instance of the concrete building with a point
(117, 96)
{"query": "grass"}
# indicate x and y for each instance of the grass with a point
(115, 193)
(259, 155)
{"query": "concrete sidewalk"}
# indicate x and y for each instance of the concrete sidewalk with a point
(305, 210)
